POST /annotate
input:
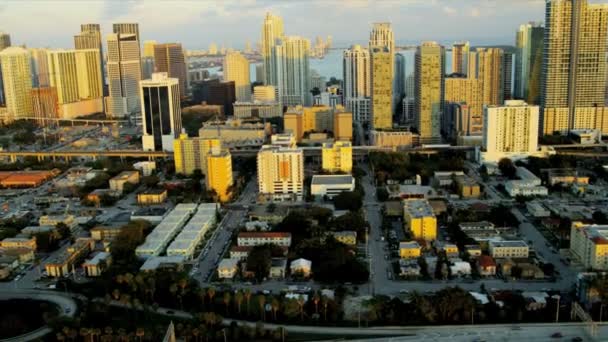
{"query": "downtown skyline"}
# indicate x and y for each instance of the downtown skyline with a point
(198, 24)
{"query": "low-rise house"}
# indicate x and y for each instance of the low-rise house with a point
(527, 184)
(409, 250)
(301, 267)
(460, 268)
(145, 167)
(468, 187)
(95, 266)
(96, 195)
(54, 220)
(227, 268)
(331, 185)
(509, 249)
(18, 243)
(450, 249)
(278, 268)
(473, 250)
(537, 209)
(262, 238)
(409, 268)
(24, 255)
(154, 196)
(118, 183)
(506, 266)
(530, 271)
(63, 263)
(486, 266)
(174, 262)
(273, 213)
(481, 230)
(257, 226)
(535, 300)
(99, 233)
(33, 230)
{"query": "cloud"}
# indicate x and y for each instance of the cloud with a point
(449, 10)
(475, 12)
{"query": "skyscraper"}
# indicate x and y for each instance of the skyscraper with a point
(490, 72)
(124, 74)
(40, 67)
(465, 118)
(381, 88)
(460, 57)
(170, 58)
(528, 62)
(573, 79)
(507, 76)
(399, 91)
(149, 48)
(272, 30)
(90, 38)
(510, 129)
(5, 40)
(381, 38)
(76, 76)
(236, 68)
(357, 81)
(429, 99)
(126, 28)
(293, 70)
(161, 112)
(17, 79)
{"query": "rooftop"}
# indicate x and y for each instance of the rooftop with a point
(508, 243)
(254, 235)
(418, 208)
(332, 179)
(408, 245)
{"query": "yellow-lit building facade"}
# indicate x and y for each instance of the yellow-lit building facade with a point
(409, 250)
(281, 172)
(219, 173)
(299, 120)
(152, 197)
(429, 88)
(190, 154)
(343, 125)
(589, 244)
(382, 87)
(337, 157)
(420, 220)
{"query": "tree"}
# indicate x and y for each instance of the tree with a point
(262, 304)
(259, 260)
(599, 217)
(247, 295)
(506, 167)
(150, 181)
(226, 299)
(382, 194)
(238, 298)
(274, 304)
(348, 200)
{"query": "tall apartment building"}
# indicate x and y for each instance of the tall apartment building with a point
(337, 157)
(170, 58)
(300, 120)
(124, 74)
(40, 67)
(292, 55)
(76, 76)
(429, 99)
(399, 91)
(219, 173)
(90, 38)
(356, 69)
(381, 88)
(126, 28)
(528, 62)
(161, 112)
(45, 104)
(589, 244)
(510, 130)
(190, 154)
(236, 69)
(490, 73)
(573, 78)
(461, 91)
(507, 76)
(272, 30)
(148, 48)
(281, 172)
(17, 82)
(460, 57)
(5, 41)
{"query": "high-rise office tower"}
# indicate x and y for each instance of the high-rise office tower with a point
(124, 74)
(90, 38)
(149, 48)
(126, 28)
(399, 91)
(573, 78)
(147, 67)
(381, 88)
(490, 73)
(17, 79)
(5, 40)
(460, 57)
(292, 55)
(170, 58)
(528, 62)
(472, 71)
(76, 76)
(510, 129)
(464, 112)
(281, 172)
(272, 30)
(40, 67)
(507, 76)
(236, 68)
(357, 82)
(381, 38)
(429, 99)
(161, 112)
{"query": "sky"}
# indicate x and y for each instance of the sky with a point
(40, 23)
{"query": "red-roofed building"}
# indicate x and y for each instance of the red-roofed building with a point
(486, 265)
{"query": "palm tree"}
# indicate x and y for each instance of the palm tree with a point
(238, 298)
(301, 303)
(274, 303)
(211, 294)
(325, 303)
(315, 299)
(202, 293)
(109, 330)
(262, 303)
(227, 298)
(116, 294)
(196, 332)
(72, 334)
(60, 337)
(84, 332)
(247, 298)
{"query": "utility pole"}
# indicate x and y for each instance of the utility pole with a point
(557, 309)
